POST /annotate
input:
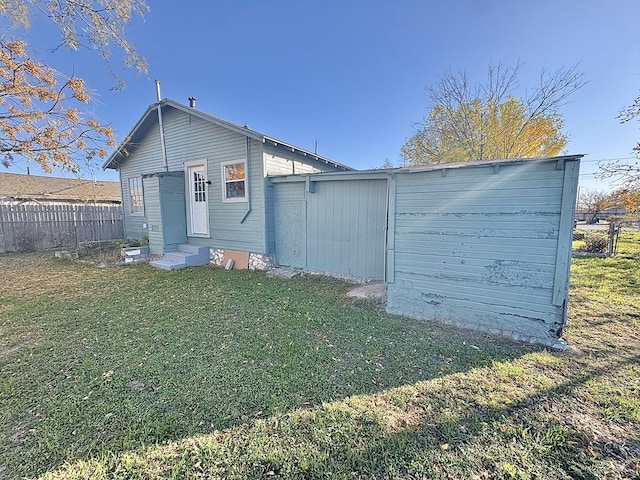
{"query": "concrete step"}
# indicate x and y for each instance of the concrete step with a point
(180, 257)
(195, 249)
(165, 264)
(187, 256)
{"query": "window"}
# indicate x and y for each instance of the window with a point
(136, 201)
(199, 186)
(234, 182)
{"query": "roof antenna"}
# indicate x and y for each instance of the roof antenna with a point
(158, 90)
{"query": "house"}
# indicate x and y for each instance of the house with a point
(484, 245)
(43, 190)
(189, 178)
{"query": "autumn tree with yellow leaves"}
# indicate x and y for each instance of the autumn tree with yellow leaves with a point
(42, 111)
(476, 121)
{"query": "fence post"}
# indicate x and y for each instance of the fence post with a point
(612, 233)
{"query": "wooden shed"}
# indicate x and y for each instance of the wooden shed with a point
(485, 245)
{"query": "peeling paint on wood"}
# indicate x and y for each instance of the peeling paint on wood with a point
(479, 248)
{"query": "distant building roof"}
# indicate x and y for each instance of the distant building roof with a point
(40, 188)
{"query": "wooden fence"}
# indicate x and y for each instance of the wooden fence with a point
(29, 228)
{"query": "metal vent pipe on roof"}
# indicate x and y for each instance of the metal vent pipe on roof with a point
(158, 97)
(192, 102)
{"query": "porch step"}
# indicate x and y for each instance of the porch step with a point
(167, 264)
(187, 256)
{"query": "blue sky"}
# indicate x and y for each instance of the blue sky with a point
(351, 75)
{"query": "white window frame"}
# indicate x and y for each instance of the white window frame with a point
(132, 212)
(224, 181)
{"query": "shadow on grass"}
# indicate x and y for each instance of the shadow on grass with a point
(134, 360)
(441, 428)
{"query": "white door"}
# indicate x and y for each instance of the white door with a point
(198, 200)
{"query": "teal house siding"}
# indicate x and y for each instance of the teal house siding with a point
(282, 161)
(485, 247)
(148, 160)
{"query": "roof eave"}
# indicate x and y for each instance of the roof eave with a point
(485, 163)
(111, 162)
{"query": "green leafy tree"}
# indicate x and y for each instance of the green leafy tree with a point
(475, 121)
(41, 110)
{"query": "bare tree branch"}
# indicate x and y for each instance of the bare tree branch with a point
(475, 121)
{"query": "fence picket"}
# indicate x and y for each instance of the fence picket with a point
(35, 227)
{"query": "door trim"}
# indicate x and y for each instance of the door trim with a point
(189, 197)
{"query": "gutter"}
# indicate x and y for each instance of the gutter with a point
(163, 145)
(246, 175)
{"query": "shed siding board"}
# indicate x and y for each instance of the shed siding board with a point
(346, 227)
(563, 255)
(284, 194)
(269, 220)
(477, 247)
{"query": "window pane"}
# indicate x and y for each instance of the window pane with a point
(198, 187)
(234, 181)
(135, 195)
(235, 189)
(234, 172)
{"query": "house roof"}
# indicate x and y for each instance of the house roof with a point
(150, 119)
(34, 187)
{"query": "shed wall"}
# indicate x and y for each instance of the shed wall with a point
(339, 227)
(478, 247)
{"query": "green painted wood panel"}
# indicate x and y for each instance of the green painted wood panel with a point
(565, 236)
(344, 226)
(172, 208)
(347, 227)
(291, 233)
(153, 213)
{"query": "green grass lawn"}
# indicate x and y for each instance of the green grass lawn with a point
(133, 372)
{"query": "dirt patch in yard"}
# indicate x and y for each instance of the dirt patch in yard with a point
(6, 351)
